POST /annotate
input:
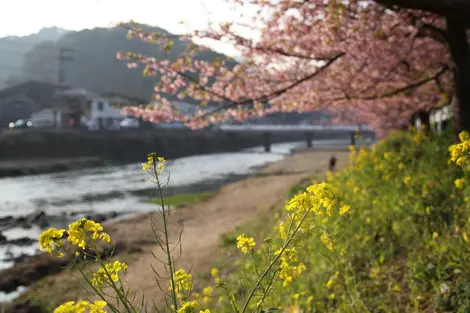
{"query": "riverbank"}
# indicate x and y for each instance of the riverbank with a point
(32, 151)
(229, 207)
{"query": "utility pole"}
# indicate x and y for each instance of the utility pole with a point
(63, 57)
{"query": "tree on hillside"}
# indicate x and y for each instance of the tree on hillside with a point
(94, 66)
(363, 61)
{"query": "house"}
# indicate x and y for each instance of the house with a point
(79, 107)
(104, 110)
(20, 101)
(72, 105)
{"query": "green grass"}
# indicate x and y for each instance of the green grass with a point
(400, 248)
(185, 199)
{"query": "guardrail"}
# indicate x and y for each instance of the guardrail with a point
(294, 128)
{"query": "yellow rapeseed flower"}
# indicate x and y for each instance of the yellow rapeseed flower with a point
(72, 307)
(83, 230)
(50, 238)
(344, 209)
(464, 136)
(98, 306)
(188, 307)
(214, 272)
(108, 274)
(245, 243)
(183, 281)
(465, 237)
(407, 180)
(327, 241)
(152, 159)
(330, 283)
(282, 231)
(460, 152)
(459, 183)
(208, 291)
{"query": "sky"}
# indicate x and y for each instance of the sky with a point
(24, 17)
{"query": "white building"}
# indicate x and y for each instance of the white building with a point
(103, 114)
(104, 111)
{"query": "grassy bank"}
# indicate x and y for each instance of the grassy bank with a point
(397, 240)
(184, 199)
(390, 233)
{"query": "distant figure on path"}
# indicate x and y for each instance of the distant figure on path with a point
(332, 164)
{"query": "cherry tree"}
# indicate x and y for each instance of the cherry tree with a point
(376, 62)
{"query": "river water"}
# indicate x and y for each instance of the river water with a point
(119, 188)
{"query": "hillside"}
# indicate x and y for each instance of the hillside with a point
(94, 66)
(14, 48)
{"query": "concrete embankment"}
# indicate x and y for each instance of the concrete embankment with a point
(33, 151)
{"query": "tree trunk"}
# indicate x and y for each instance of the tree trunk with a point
(460, 51)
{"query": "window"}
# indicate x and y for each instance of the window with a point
(100, 105)
(100, 122)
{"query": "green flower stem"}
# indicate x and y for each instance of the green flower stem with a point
(167, 244)
(268, 269)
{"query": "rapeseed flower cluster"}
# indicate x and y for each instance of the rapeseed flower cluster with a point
(245, 243)
(154, 162)
(460, 183)
(318, 198)
(82, 307)
(107, 275)
(50, 239)
(82, 230)
(79, 234)
(183, 281)
(460, 152)
(289, 266)
(188, 307)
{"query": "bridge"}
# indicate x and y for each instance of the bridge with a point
(309, 131)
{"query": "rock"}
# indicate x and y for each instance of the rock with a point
(3, 239)
(6, 220)
(37, 218)
(99, 218)
(17, 259)
(22, 307)
(24, 241)
(26, 273)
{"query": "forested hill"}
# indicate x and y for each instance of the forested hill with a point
(94, 65)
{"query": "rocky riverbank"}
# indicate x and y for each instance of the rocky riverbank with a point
(41, 265)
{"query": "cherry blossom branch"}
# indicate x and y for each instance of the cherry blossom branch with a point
(274, 94)
(415, 85)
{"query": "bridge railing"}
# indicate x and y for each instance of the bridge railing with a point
(290, 128)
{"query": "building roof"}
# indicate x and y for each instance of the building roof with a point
(133, 100)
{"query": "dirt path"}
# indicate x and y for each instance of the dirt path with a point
(205, 222)
(234, 204)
